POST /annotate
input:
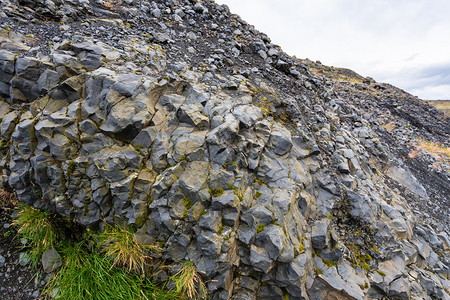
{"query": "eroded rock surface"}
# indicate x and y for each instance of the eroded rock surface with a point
(183, 120)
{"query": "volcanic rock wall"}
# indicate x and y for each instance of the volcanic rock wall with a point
(182, 120)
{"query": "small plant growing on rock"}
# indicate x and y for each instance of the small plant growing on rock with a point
(120, 245)
(189, 283)
(188, 203)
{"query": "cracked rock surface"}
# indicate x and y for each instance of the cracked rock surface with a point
(278, 177)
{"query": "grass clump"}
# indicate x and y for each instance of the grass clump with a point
(92, 275)
(259, 181)
(189, 283)
(120, 245)
(364, 286)
(108, 265)
(37, 228)
(187, 205)
(435, 149)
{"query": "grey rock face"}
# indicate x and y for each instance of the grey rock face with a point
(185, 122)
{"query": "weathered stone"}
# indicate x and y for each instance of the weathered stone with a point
(272, 169)
(404, 177)
(225, 133)
(292, 275)
(210, 221)
(259, 258)
(209, 243)
(6, 66)
(193, 180)
(280, 140)
(246, 234)
(226, 200)
(191, 115)
(248, 115)
(320, 234)
(400, 288)
(8, 124)
(258, 214)
(360, 206)
(271, 238)
(51, 261)
(47, 80)
(220, 179)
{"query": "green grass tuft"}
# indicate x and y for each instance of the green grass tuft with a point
(92, 275)
(36, 227)
(121, 246)
(109, 265)
(189, 283)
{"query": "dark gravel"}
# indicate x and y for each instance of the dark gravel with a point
(16, 282)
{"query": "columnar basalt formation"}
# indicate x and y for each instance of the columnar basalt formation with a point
(278, 177)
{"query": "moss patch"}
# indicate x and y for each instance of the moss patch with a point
(188, 203)
(216, 192)
(260, 228)
(382, 274)
(329, 263)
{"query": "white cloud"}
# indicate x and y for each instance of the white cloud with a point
(379, 38)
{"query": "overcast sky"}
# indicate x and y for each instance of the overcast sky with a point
(402, 42)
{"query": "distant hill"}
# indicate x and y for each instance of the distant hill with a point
(442, 105)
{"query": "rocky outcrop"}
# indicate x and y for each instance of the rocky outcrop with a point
(180, 119)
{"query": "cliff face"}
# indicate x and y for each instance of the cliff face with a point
(276, 176)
